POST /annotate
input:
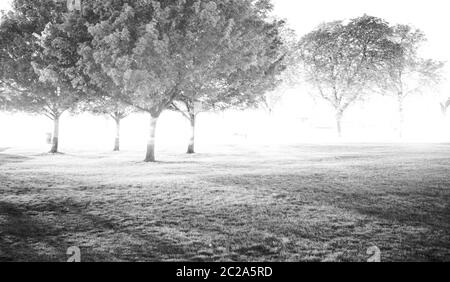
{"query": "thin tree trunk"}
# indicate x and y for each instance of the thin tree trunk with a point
(339, 123)
(400, 115)
(444, 110)
(117, 141)
(55, 140)
(150, 157)
(191, 147)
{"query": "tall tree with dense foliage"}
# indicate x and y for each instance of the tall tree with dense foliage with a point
(214, 89)
(241, 90)
(38, 57)
(405, 72)
(340, 60)
(153, 49)
(103, 95)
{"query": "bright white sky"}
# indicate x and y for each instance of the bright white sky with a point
(298, 118)
(4, 4)
(431, 16)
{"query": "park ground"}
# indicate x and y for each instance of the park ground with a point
(274, 203)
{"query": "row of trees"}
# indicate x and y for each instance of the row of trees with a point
(115, 57)
(347, 62)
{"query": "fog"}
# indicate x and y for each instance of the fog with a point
(297, 118)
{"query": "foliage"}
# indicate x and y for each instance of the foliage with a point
(108, 106)
(37, 56)
(406, 72)
(156, 50)
(340, 59)
(215, 53)
(235, 82)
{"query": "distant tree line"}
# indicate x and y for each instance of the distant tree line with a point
(118, 57)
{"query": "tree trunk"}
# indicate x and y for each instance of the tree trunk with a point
(55, 139)
(117, 141)
(400, 115)
(191, 147)
(150, 157)
(444, 110)
(339, 123)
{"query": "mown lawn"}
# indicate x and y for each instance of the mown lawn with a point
(292, 203)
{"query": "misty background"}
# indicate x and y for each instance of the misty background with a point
(296, 118)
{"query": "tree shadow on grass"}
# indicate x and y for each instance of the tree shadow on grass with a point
(422, 221)
(20, 235)
(40, 232)
(43, 230)
(350, 194)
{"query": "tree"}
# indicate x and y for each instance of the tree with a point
(150, 49)
(340, 60)
(38, 57)
(103, 95)
(112, 107)
(242, 85)
(289, 76)
(238, 91)
(445, 106)
(57, 63)
(405, 72)
(196, 98)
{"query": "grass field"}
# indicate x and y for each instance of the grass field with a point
(292, 203)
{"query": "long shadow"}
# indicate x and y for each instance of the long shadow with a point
(324, 188)
(42, 231)
(32, 233)
(19, 234)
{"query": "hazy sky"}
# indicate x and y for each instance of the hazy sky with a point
(431, 16)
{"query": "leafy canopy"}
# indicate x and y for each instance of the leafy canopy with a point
(38, 53)
(154, 51)
(342, 59)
